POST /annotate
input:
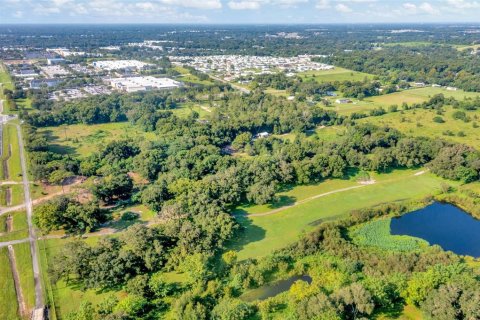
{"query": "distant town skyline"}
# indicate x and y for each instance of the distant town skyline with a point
(238, 11)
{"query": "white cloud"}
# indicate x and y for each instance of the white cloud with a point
(198, 4)
(323, 4)
(428, 8)
(462, 4)
(18, 14)
(410, 7)
(244, 5)
(343, 8)
(423, 8)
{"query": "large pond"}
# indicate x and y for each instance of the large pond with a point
(442, 224)
(275, 288)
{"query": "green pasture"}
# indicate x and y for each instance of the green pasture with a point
(419, 122)
(25, 270)
(410, 96)
(8, 297)
(336, 74)
(185, 109)
(263, 234)
(82, 140)
(186, 76)
(66, 297)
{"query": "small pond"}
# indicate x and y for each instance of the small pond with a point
(442, 224)
(273, 289)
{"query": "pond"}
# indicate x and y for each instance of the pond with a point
(273, 289)
(443, 224)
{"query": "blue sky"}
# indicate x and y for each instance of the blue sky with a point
(238, 11)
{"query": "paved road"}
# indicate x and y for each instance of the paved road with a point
(13, 242)
(31, 229)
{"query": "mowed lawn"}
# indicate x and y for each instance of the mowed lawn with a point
(8, 297)
(25, 271)
(82, 140)
(263, 234)
(336, 74)
(419, 122)
(20, 227)
(10, 139)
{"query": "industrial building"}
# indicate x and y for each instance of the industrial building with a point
(134, 84)
(119, 64)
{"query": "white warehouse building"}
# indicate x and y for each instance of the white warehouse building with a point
(119, 64)
(134, 84)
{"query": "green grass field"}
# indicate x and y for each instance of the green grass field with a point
(337, 74)
(82, 140)
(65, 297)
(8, 297)
(418, 122)
(185, 109)
(186, 76)
(263, 234)
(410, 97)
(20, 227)
(25, 271)
(10, 138)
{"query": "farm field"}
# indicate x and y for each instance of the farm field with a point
(263, 234)
(8, 298)
(419, 122)
(336, 74)
(82, 140)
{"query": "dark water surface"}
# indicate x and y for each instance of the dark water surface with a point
(442, 224)
(275, 288)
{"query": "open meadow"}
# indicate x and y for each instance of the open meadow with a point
(336, 74)
(266, 233)
(410, 96)
(82, 140)
(419, 122)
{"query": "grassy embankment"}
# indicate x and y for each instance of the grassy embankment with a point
(25, 271)
(8, 297)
